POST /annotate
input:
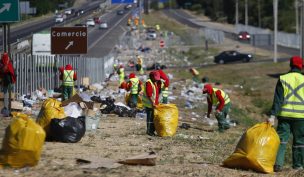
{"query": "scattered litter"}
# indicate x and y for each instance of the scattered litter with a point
(73, 110)
(95, 162)
(148, 159)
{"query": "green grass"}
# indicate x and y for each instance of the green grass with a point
(241, 116)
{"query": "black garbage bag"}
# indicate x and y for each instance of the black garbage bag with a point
(67, 130)
(122, 111)
(96, 99)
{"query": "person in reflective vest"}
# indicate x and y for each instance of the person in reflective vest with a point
(150, 99)
(221, 100)
(164, 85)
(121, 74)
(68, 76)
(140, 65)
(288, 107)
(134, 86)
(195, 75)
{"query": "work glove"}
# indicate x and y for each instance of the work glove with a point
(271, 120)
(218, 113)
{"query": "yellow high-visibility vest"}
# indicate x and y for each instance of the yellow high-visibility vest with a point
(215, 101)
(293, 105)
(146, 102)
(68, 76)
(134, 88)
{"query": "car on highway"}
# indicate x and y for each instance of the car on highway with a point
(59, 18)
(69, 11)
(120, 12)
(90, 22)
(79, 12)
(232, 56)
(103, 25)
(97, 20)
(151, 33)
(244, 35)
(128, 6)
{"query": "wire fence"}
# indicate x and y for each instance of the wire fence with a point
(34, 72)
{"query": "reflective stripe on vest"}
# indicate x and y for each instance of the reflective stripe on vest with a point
(165, 90)
(121, 75)
(293, 105)
(68, 76)
(145, 100)
(134, 88)
(214, 98)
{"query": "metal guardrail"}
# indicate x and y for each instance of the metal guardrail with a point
(34, 72)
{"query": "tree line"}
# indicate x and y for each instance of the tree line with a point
(260, 12)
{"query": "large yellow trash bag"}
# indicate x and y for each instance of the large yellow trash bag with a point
(139, 101)
(50, 109)
(166, 119)
(256, 150)
(22, 143)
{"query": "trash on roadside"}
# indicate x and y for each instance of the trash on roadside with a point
(185, 126)
(256, 150)
(148, 159)
(166, 119)
(15, 105)
(50, 109)
(73, 110)
(67, 130)
(92, 120)
(22, 143)
(96, 162)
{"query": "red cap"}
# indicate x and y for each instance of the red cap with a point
(120, 66)
(132, 75)
(296, 61)
(155, 75)
(207, 89)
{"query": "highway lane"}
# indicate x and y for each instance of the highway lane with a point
(184, 18)
(30, 28)
(102, 41)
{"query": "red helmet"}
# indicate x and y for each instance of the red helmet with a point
(296, 61)
(132, 75)
(207, 89)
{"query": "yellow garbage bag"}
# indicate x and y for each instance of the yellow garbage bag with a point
(166, 119)
(50, 109)
(139, 101)
(22, 143)
(256, 150)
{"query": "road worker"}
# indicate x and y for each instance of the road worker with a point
(288, 107)
(140, 65)
(121, 73)
(150, 99)
(164, 85)
(195, 75)
(68, 76)
(134, 86)
(221, 100)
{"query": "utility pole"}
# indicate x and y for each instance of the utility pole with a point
(246, 13)
(259, 13)
(236, 12)
(275, 15)
(296, 5)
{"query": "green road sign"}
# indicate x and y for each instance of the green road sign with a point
(9, 11)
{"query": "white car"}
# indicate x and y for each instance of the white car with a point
(59, 19)
(90, 22)
(103, 25)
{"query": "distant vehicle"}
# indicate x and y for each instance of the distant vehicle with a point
(120, 12)
(97, 20)
(90, 22)
(156, 65)
(59, 18)
(151, 34)
(79, 12)
(80, 25)
(232, 56)
(103, 25)
(128, 6)
(244, 35)
(69, 11)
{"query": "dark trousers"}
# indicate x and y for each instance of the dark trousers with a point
(150, 121)
(296, 127)
(221, 118)
(67, 92)
(133, 101)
